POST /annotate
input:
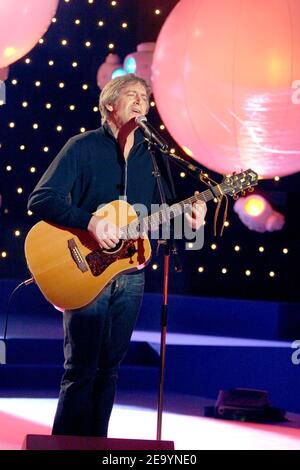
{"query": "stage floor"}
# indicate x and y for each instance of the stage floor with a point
(134, 417)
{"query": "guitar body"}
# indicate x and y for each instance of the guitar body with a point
(71, 269)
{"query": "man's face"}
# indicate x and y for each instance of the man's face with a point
(132, 102)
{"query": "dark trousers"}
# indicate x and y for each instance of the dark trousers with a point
(96, 338)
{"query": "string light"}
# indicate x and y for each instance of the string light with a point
(200, 269)
(100, 23)
(35, 126)
(27, 60)
(224, 270)
(182, 174)
(14, 81)
(276, 178)
(32, 169)
(157, 11)
(154, 266)
(46, 149)
(41, 41)
(54, 20)
(124, 25)
(87, 43)
(74, 64)
(29, 212)
(82, 129)
(61, 85)
(248, 272)
(272, 274)
(22, 147)
(285, 251)
(12, 125)
(95, 109)
(3, 254)
(64, 42)
(261, 249)
(213, 246)
(17, 233)
(37, 83)
(162, 127)
(111, 45)
(85, 86)
(77, 21)
(19, 190)
(24, 104)
(51, 63)
(8, 168)
(113, 3)
(237, 248)
(48, 105)
(152, 104)
(59, 128)
(72, 107)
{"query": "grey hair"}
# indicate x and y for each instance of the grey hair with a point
(112, 90)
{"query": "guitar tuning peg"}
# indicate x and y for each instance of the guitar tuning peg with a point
(243, 193)
(250, 190)
(235, 197)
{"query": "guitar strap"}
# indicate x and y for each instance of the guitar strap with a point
(212, 186)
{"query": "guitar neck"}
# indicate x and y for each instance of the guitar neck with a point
(164, 215)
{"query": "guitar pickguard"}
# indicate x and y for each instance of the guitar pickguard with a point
(98, 260)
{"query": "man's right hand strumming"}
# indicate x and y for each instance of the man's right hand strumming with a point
(106, 233)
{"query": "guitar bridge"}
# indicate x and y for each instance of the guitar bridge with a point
(76, 255)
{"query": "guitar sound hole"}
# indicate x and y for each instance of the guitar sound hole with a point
(115, 249)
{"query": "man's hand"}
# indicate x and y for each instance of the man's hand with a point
(199, 209)
(106, 233)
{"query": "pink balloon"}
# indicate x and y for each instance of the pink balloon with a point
(112, 63)
(225, 77)
(22, 23)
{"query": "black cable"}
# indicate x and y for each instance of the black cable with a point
(24, 283)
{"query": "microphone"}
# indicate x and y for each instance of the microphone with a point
(150, 133)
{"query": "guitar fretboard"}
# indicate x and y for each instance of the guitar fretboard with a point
(164, 215)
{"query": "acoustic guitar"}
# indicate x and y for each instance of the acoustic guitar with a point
(71, 269)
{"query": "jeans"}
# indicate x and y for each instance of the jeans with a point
(96, 338)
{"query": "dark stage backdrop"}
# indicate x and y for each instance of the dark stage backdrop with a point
(47, 104)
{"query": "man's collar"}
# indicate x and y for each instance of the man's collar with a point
(138, 134)
(108, 130)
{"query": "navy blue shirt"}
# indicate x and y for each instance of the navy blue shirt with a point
(90, 170)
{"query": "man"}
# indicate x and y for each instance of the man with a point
(95, 168)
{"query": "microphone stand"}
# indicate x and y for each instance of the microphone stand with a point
(169, 248)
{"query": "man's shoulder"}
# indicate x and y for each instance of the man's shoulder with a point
(88, 137)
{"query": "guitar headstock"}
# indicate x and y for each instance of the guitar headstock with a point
(239, 183)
